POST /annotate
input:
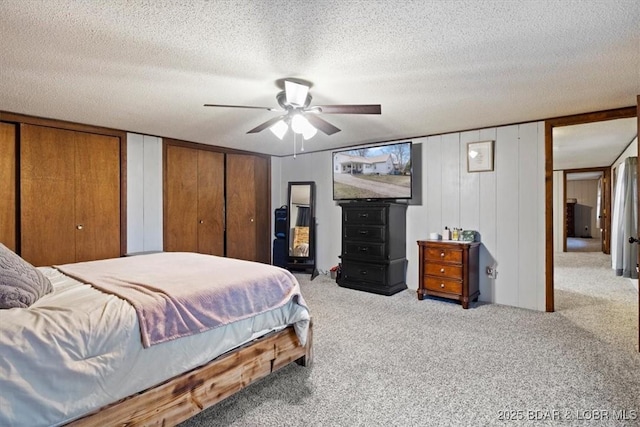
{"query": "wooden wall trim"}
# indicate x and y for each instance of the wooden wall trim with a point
(218, 149)
(564, 211)
(61, 124)
(598, 116)
(548, 215)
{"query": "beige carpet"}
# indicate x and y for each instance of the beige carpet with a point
(588, 293)
(397, 361)
(579, 244)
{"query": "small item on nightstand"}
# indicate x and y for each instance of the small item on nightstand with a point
(468, 235)
(454, 234)
(434, 236)
(446, 234)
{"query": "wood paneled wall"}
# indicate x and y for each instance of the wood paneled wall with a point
(144, 193)
(506, 206)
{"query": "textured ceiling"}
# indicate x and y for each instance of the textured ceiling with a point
(435, 66)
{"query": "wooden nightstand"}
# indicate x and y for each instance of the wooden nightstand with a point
(449, 269)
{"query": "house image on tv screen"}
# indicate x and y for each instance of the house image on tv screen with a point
(381, 165)
(381, 172)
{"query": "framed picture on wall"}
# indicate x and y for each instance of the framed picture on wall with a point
(480, 156)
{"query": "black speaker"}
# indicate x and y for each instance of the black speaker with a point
(281, 222)
(280, 253)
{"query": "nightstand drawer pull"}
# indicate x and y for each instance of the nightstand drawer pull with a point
(442, 285)
(442, 254)
(442, 270)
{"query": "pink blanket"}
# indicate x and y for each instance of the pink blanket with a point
(177, 294)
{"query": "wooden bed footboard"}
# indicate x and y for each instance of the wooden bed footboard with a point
(182, 397)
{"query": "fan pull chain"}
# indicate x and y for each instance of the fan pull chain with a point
(294, 144)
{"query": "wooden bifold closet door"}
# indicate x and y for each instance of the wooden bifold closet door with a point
(69, 195)
(194, 200)
(248, 208)
(8, 185)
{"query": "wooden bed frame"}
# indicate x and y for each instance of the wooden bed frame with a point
(185, 395)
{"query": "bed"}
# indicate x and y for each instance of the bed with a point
(78, 354)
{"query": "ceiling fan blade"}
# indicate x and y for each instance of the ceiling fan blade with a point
(242, 106)
(321, 124)
(265, 125)
(350, 109)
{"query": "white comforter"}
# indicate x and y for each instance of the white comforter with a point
(78, 349)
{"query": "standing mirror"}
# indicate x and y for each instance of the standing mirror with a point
(301, 227)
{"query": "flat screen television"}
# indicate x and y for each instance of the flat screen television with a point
(378, 172)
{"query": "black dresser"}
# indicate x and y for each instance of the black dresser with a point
(374, 247)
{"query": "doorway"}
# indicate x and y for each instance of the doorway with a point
(552, 216)
(587, 207)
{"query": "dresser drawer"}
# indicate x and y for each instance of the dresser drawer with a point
(372, 273)
(365, 216)
(365, 250)
(444, 270)
(444, 254)
(364, 233)
(443, 285)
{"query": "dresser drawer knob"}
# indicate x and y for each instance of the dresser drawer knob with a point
(442, 270)
(363, 249)
(364, 215)
(363, 232)
(363, 272)
(442, 254)
(442, 285)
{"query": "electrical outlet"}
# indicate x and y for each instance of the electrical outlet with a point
(491, 271)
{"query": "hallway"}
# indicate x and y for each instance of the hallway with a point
(588, 293)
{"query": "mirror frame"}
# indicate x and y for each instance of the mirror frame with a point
(305, 262)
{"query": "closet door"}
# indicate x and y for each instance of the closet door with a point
(210, 202)
(248, 209)
(69, 195)
(8, 188)
(47, 195)
(194, 200)
(97, 196)
(181, 199)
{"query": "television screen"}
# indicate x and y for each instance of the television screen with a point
(375, 172)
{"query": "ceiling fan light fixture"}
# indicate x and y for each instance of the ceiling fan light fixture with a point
(309, 133)
(300, 124)
(279, 129)
(296, 93)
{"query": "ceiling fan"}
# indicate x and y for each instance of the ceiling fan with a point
(304, 119)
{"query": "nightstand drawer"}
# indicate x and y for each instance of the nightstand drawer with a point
(443, 270)
(364, 233)
(365, 216)
(444, 255)
(443, 285)
(365, 250)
